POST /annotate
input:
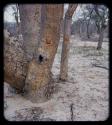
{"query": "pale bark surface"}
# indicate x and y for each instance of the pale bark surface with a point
(39, 77)
(30, 21)
(66, 42)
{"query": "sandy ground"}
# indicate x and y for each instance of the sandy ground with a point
(84, 97)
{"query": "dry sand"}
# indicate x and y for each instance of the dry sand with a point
(84, 97)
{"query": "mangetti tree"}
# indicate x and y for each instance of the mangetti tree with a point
(39, 76)
(40, 28)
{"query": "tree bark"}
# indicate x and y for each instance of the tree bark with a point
(39, 76)
(30, 28)
(15, 63)
(66, 42)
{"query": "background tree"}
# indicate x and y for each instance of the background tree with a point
(86, 17)
(16, 13)
(94, 14)
(101, 18)
(17, 18)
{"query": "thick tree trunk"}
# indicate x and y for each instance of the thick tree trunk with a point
(39, 77)
(66, 42)
(100, 41)
(40, 47)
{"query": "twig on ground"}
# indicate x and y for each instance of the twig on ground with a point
(100, 66)
(71, 111)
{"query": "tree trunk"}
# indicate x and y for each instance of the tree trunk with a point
(88, 36)
(100, 41)
(80, 29)
(66, 42)
(38, 85)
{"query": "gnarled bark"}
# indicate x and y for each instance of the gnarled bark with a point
(15, 63)
(66, 42)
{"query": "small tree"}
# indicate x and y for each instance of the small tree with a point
(66, 41)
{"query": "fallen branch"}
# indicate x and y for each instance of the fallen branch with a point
(100, 66)
(71, 110)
